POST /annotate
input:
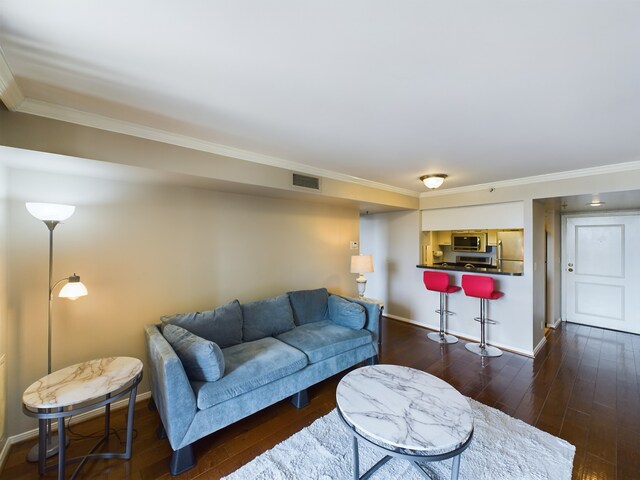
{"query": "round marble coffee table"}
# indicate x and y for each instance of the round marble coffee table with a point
(77, 389)
(405, 413)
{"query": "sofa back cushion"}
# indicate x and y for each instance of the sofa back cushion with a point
(222, 325)
(266, 318)
(309, 306)
(201, 359)
(346, 313)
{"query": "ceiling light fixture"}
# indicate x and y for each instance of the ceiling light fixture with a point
(433, 181)
(595, 203)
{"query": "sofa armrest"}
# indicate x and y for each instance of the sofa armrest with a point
(372, 311)
(170, 387)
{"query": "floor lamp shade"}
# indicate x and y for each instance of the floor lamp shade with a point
(74, 288)
(361, 264)
(50, 211)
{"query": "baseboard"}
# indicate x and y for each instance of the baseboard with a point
(4, 453)
(465, 336)
(21, 437)
(540, 345)
(555, 324)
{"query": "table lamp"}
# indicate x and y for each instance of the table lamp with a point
(361, 264)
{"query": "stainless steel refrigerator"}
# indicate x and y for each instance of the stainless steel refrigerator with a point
(510, 250)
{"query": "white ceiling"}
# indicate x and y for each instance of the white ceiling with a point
(380, 90)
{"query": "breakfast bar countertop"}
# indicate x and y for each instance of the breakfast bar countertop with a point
(462, 268)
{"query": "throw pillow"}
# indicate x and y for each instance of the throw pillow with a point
(266, 318)
(222, 325)
(202, 360)
(309, 306)
(346, 313)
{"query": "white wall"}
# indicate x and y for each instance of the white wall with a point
(394, 241)
(146, 249)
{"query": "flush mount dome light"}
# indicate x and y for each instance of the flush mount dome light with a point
(433, 181)
(595, 203)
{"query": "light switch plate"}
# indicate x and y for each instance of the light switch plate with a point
(353, 244)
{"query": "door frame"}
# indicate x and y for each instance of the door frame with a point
(563, 252)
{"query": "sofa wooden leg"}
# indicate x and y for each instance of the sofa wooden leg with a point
(300, 399)
(372, 360)
(182, 460)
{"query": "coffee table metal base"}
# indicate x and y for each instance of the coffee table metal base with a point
(415, 460)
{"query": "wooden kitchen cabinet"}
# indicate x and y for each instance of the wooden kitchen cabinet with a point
(444, 237)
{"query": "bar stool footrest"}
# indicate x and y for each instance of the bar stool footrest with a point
(486, 320)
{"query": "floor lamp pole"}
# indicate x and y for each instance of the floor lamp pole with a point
(51, 443)
(51, 224)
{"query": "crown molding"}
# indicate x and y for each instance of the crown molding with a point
(10, 93)
(548, 177)
(66, 114)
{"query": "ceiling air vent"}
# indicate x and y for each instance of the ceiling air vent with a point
(305, 181)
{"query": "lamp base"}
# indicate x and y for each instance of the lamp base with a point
(52, 449)
(361, 281)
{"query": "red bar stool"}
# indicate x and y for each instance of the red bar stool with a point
(482, 288)
(439, 282)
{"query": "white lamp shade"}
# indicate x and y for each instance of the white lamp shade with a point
(73, 290)
(433, 182)
(50, 211)
(361, 264)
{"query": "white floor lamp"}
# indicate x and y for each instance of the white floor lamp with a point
(52, 214)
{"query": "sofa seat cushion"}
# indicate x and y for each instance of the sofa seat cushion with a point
(322, 340)
(248, 366)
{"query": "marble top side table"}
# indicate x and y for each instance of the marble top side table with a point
(78, 389)
(405, 413)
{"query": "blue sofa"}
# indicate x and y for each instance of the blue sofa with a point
(211, 369)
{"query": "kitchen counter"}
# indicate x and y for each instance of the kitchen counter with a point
(475, 269)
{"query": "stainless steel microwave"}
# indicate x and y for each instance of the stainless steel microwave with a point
(469, 242)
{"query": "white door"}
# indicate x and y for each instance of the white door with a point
(601, 271)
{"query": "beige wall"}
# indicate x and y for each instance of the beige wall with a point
(554, 266)
(144, 250)
(3, 303)
(538, 238)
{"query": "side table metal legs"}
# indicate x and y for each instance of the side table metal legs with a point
(60, 414)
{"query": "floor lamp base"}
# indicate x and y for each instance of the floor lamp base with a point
(52, 449)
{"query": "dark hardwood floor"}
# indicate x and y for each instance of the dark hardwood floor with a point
(583, 386)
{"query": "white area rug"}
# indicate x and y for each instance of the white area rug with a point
(502, 448)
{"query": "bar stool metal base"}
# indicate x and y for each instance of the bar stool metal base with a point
(486, 351)
(442, 338)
